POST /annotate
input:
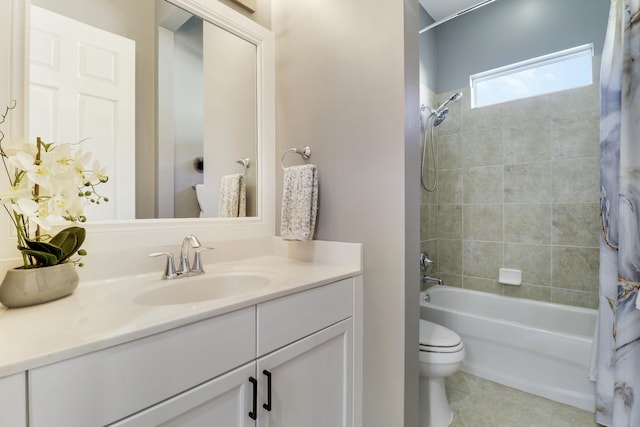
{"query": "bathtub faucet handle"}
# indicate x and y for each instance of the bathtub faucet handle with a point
(425, 262)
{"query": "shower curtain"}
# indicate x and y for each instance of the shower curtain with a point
(618, 375)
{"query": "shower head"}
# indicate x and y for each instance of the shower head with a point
(442, 111)
(452, 98)
(441, 114)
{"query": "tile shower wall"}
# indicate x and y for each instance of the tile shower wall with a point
(518, 187)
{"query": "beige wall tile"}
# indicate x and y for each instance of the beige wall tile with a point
(526, 223)
(575, 268)
(576, 135)
(428, 197)
(538, 293)
(481, 259)
(579, 100)
(575, 298)
(528, 143)
(449, 256)
(576, 180)
(483, 185)
(527, 183)
(482, 147)
(533, 260)
(450, 221)
(449, 151)
(454, 280)
(428, 222)
(450, 187)
(484, 285)
(482, 222)
(526, 110)
(576, 224)
(483, 118)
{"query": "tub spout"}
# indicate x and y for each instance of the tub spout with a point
(431, 279)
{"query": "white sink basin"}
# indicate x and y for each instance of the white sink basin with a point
(203, 288)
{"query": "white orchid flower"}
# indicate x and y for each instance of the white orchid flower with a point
(47, 181)
(30, 209)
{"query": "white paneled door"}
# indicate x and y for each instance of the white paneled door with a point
(82, 88)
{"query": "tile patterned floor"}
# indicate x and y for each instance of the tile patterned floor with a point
(481, 403)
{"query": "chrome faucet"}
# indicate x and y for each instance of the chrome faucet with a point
(431, 279)
(189, 241)
(425, 265)
(185, 268)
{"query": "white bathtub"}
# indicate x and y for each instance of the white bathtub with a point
(537, 347)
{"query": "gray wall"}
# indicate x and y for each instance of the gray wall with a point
(509, 31)
(427, 50)
(345, 70)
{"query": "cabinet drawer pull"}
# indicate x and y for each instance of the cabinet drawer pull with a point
(252, 414)
(267, 405)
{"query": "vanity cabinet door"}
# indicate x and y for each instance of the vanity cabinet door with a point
(225, 401)
(311, 381)
(13, 401)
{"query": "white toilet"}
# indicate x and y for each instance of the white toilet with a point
(441, 354)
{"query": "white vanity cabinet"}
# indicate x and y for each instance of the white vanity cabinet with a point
(13, 401)
(286, 362)
(105, 386)
(306, 364)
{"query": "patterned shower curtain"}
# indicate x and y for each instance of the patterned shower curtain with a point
(618, 374)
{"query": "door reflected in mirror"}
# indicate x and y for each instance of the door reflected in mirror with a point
(197, 95)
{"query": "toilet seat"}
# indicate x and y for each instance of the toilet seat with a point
(435, 338)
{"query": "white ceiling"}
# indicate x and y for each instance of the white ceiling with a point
(440, 9)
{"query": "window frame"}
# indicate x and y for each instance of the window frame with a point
(537, 62)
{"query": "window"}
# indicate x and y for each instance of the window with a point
(557, 71)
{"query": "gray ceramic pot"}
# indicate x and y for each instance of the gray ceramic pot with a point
(24, 287)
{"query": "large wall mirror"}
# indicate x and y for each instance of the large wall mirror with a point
(195, 108)
(86, 66)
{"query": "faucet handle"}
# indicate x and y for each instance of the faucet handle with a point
(170, 268)
(197, 262)
(425, 262)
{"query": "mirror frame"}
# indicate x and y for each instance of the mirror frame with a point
(111, 236)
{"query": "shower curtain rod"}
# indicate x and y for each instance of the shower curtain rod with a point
(455, 15)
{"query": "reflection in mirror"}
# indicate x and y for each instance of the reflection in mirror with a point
(219, 109)
(209, 122)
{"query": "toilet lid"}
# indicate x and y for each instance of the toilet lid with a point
(434, 335)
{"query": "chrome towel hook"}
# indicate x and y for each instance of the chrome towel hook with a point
(244, 162)
(305, 153)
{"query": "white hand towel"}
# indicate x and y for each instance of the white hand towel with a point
(233, 199)
(299, 202)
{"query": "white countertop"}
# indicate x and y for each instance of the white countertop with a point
(103, 313)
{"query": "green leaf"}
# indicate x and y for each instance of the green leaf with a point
(43, 258)
(69, 241)
(44, 247)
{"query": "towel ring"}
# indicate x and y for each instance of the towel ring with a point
(305, 153)
(244, 162)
